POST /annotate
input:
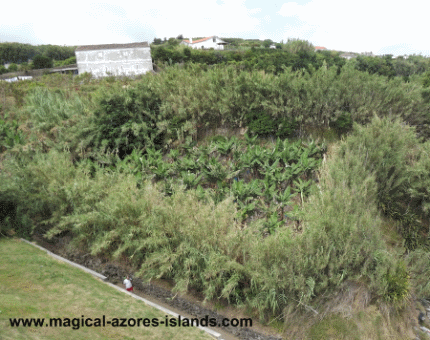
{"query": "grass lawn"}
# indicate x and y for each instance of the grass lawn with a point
(35, 285)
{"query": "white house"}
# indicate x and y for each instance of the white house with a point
(114, 59)
(206, 43)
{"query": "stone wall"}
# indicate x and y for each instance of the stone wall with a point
(117, 62)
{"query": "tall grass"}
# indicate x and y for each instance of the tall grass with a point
(49, 109)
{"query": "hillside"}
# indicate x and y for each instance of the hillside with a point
(299, 195)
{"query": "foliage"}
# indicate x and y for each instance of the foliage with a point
(68, 61)
(343, 123)
(246, 219)
(12, 68)
(418, 262)
(398, 284)
(41, 61)
(10, 134)
(19, 53)
(124, 120)
(262, 124)
(50, 109)
(399, 162)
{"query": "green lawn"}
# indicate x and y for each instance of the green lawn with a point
(35, 285)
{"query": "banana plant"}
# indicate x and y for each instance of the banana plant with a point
(270, 169)
(272, 223)
(291, 153)
(187, 164)
(245, 163)
(225, 147)
(162, 170)
(132, 164)
(153, 154)
(214, 171)
(190, 179)
(302, 187)
(316, 150)
(269, 192)
(174, 154)
(250, 140)
(284, 197)
(259, 156)
(244, 191)
(246, 209)
(307, 163)
(278, 152)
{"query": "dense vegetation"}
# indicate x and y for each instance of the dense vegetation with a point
(297, 54)
(135, 169)
(18, 55)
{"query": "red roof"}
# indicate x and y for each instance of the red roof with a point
(320, 48)
(200, 40)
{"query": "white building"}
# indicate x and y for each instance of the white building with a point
(114, 59)
(206, 43)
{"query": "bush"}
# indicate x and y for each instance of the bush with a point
(12, 68)
(400, 164)
(125, 120)
(262, 124)
(343, 123)
(41, 61)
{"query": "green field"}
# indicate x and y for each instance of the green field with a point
(34, 285)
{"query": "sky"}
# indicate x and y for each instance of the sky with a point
(378, 26)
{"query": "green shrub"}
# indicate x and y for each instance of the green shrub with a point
(343, 123)
(10, 135)
(401, 167)
(262, 124)
(41, 61)
(126, 119)
(12, 68)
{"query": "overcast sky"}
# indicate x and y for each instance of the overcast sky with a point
(378, 26)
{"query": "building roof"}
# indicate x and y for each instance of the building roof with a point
(200, 40)
(320, 48)
(111, 46)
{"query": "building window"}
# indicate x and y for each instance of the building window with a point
(214, 39)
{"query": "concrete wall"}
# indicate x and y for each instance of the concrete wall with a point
(117, 62)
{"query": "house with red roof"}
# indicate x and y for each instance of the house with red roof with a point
(205, 43)
(320, 48)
